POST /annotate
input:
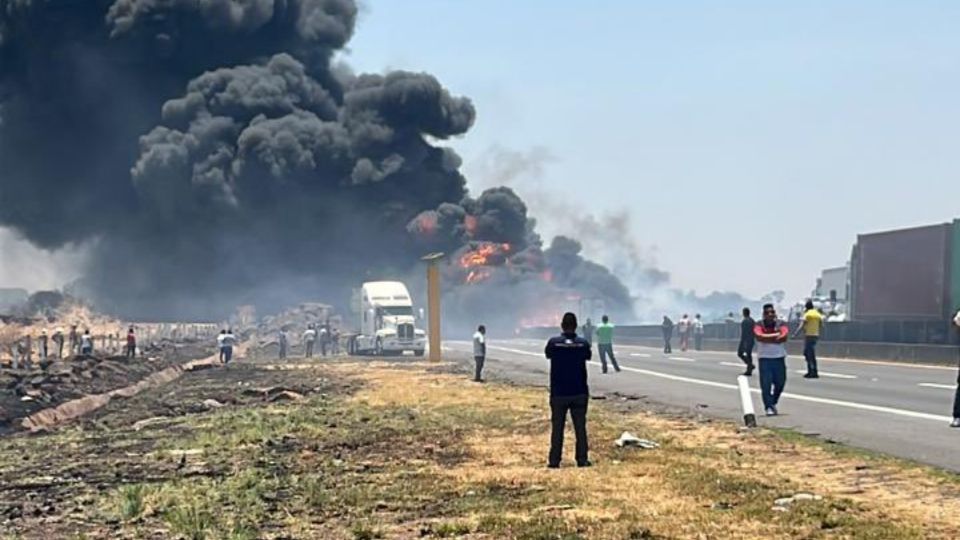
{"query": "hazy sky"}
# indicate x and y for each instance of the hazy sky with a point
(749, 141)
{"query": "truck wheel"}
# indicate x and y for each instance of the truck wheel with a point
(379, 348)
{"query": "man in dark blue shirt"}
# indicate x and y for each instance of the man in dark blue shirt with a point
(568, 355)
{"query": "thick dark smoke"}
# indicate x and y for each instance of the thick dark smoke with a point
(213, 155)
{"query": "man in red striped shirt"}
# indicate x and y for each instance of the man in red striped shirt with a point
(771, 334)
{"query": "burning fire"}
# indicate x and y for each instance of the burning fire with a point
(478, 261)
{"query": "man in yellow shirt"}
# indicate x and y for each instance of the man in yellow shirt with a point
(811, 326)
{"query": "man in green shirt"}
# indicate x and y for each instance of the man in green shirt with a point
(605, 344)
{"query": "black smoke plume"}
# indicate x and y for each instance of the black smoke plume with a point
(212, 154)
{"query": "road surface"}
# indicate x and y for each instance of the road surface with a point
(898, 409)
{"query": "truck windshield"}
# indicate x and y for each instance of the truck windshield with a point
(395, 311)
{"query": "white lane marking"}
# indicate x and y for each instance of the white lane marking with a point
(518, 351)
(788, 395)
(733, 364)
(935, 385)
(890, 363)
(682, 359)
(640, 355)
(829, 374)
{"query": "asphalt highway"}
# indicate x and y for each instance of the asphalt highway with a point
(898, 409)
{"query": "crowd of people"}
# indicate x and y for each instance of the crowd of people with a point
(568, 354)
(324, 335)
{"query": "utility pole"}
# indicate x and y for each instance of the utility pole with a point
(433, 303)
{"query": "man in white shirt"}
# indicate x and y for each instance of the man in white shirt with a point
(309, 337)
(479, 351)
(229, 340)
(697, 333)
(683, 329)
(86, 344)
(220, 336)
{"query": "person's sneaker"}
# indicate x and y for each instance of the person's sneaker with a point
(618, 370)
(585, 464)
(748, 373)
(811, 376)
(771, 411)
(553, 465)
(955, 423)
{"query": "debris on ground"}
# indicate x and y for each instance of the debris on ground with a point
(628, 439)
(783, 502)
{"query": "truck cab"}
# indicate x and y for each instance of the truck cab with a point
(387, 324)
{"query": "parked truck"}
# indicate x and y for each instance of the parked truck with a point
(386, 324)
(905, 274)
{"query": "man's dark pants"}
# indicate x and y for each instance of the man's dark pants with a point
(698, 342)
(577, 406)
(606, 349)
(956, 399)
(479, 364)
(810, 353)
(745, 352)
(309, 352)
(666, 344)
(773, 377)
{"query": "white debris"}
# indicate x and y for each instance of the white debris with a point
(629, 439)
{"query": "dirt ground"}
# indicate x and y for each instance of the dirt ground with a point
(26, 391)
(353, 448)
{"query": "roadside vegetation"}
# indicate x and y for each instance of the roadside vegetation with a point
(375, 450)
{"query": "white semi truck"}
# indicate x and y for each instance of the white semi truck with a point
(386, 321)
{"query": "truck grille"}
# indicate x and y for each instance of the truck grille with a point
(405, 331)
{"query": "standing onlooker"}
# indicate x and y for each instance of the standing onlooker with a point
(58, 341)
(220, 345)
(44, 341)
(309, 337)
(811, 324)
(697, 333)
(282, 340)
(772, 334)
(324, 340)
(334, 341)
(747, 340)
(667, 334)
(86, 343)
(683, 328)
(131, 343)
(605, 344)
(568, 354)
(74, 340)
(479, 351)
(956, 397)
(586, 331)
(229, 342)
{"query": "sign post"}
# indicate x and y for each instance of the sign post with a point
(433, 304)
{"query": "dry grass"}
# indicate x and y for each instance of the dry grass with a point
(709, 479)
(402, 451)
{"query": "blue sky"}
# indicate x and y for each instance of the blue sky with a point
(749, 141)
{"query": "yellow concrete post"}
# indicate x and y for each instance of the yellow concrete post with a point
(433, 304)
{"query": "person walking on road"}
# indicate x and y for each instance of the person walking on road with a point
(309, 337)
(282, 340)
(772, 335)
(667, 334)
(479, 351)
(44, 341)
(697, 333)
(568, 354)
(747, 341)
(605, 344)
(683, 328)
(810, 325)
